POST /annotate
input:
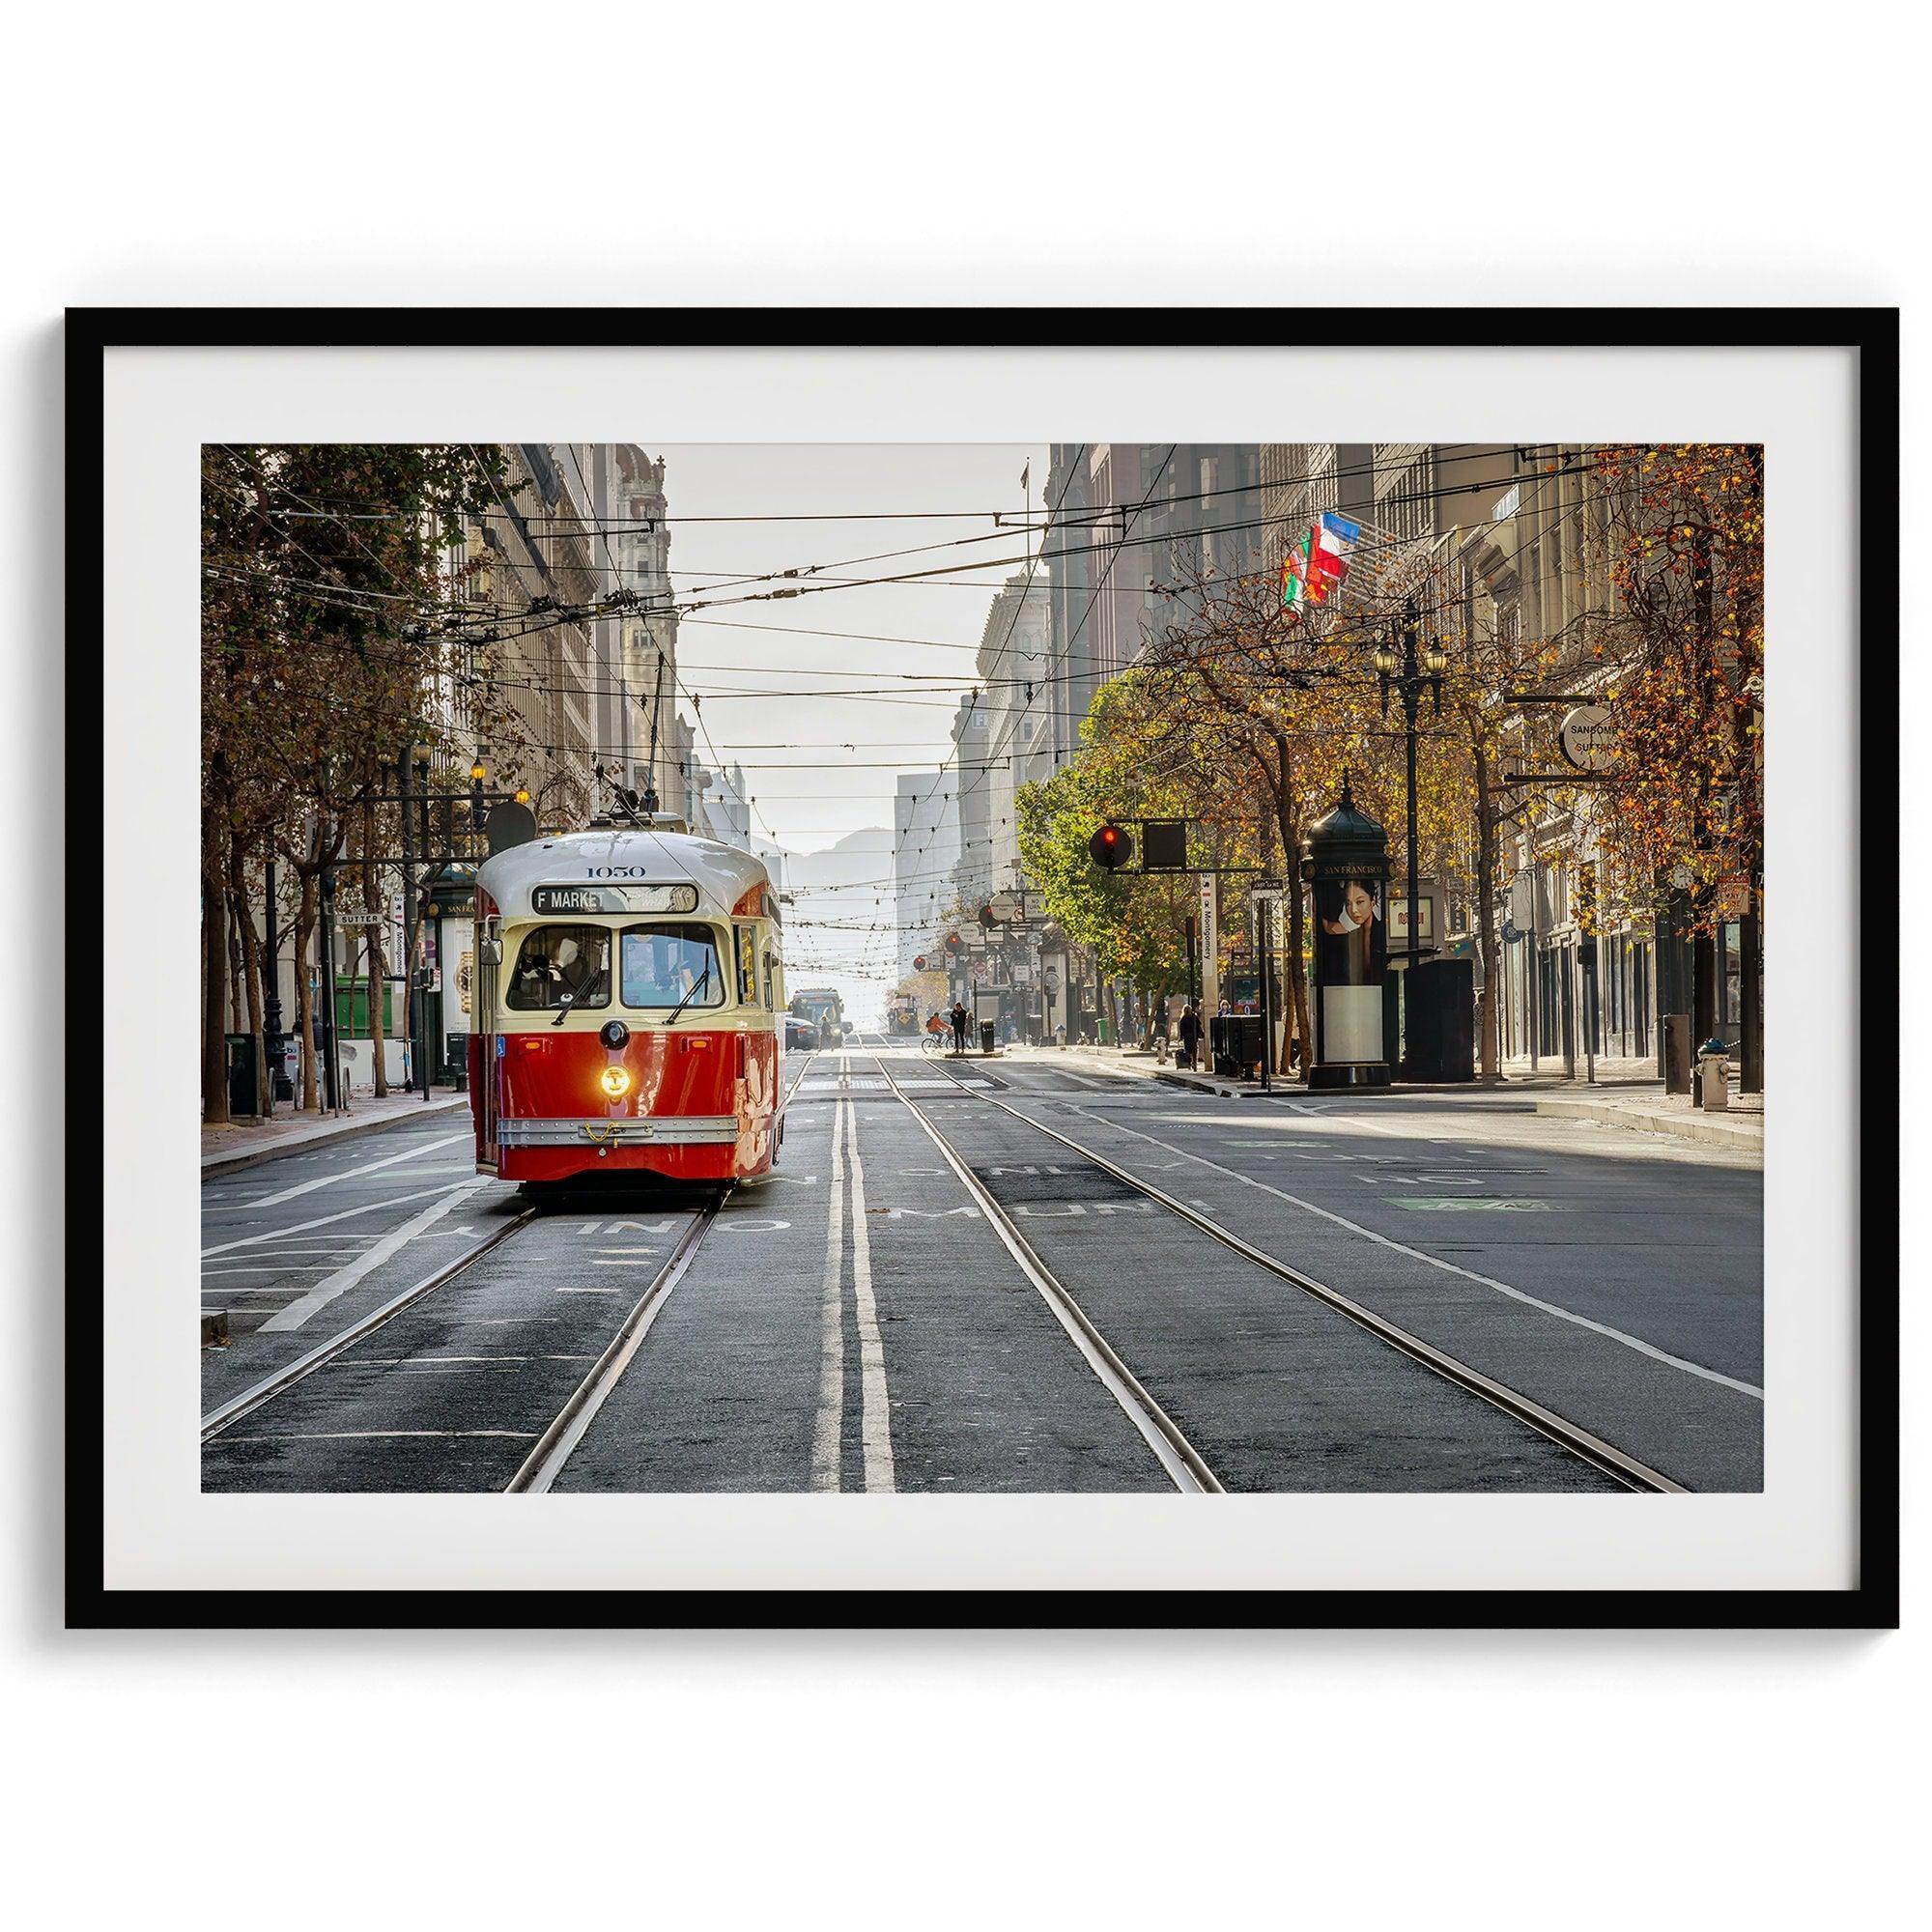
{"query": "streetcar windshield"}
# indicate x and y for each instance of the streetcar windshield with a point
(561, 966)
(669, 965)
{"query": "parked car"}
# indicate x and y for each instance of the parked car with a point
(801, 1036)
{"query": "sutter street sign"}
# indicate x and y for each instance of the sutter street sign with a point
(1588, 736)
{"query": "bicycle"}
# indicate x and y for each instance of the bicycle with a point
(933, 1044)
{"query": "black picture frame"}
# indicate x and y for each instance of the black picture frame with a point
(1873, 333)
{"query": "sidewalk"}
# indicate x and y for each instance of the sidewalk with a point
(1740, 1125)
(246, 1143)
(1626, 1092)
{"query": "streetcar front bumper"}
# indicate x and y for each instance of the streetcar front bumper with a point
(672, 1130)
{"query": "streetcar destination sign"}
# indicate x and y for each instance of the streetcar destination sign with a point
(614, 898)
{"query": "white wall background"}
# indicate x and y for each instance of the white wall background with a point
(235, 153)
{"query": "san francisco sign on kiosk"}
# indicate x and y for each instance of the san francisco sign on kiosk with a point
(1588, 736)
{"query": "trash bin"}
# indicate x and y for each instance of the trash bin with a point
(986, 1036)
(1677, 1053)
(456, 1059)
(244, 1098)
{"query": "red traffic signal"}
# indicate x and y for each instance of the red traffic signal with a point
(953, 942)
(919, 962)
(1110, 848)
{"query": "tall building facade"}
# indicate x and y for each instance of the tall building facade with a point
(580, 683)
(1016, 703)
(1132, 529)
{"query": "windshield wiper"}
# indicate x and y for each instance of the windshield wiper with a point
(703, 980)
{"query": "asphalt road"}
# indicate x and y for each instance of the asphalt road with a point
(858, 1322)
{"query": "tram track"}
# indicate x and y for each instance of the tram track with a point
(544, 1463)
(280, 1381)
(1186, 1465)
(557, 1442)
(1587, 1447)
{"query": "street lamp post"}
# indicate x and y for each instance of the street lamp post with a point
(1408, 668)
(278, 1083)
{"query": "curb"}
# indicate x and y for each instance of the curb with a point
(1690, 1126)
(213, 1164)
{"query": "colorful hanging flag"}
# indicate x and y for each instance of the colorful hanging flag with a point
(1294, 583)
(1332, 540)
(1290, 579)
(1319, 561)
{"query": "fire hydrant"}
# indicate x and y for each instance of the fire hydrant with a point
(1714, 1075)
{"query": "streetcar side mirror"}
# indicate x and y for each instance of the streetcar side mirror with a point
(492, 950)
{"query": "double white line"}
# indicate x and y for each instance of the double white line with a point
(876, 1432)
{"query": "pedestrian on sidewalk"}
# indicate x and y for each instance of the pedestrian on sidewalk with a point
(959, 1018)
(1190, 1036)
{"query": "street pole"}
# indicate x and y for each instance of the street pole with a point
(271, 993)
(426, 847)
(330, 1057)
(418, 1073)
(1407, 669)
(1265, 923)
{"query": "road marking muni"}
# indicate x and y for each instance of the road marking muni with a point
(342, 1279)
(369, 1167)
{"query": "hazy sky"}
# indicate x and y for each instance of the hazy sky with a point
(822, 767)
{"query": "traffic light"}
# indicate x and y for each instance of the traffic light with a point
(986, 919)
(1110, 848)
(953, 942)
(919, 962)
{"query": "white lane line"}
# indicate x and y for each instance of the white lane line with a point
(350, 1174)
(831, 1323)
(342, 1279)
(323, 1221)
(1528, 1301)
(876, 1413)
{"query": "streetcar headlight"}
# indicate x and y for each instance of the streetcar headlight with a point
(616, 1082)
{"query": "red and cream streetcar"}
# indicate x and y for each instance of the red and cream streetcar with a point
(630, 1010)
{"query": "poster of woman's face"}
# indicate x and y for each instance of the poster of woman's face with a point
(1347, 929)
(1354, 908)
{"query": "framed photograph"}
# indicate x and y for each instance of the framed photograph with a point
(933, 968)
